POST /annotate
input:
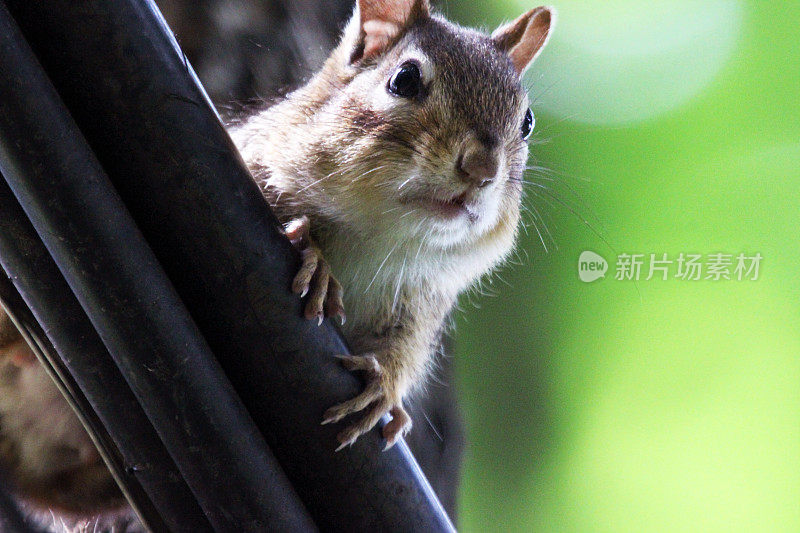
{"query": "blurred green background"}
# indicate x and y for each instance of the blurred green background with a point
(671, 405)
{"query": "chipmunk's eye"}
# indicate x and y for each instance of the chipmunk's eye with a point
(406, 81)
(527, 124)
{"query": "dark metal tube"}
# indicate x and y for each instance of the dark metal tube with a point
(143, 323)
(44, 351)
(92, 382)
(134, 96)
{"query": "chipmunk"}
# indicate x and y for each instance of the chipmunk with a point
(398, 167)
(397, 170)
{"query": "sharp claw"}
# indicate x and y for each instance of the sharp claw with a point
(331, 416)
(372, 401)
(319, 323)
(347, 362)
(305, 291)
(343, 317)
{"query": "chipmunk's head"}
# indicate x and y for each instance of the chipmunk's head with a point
(431, 120)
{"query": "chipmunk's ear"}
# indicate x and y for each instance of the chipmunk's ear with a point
(524, 38)
(382, 22)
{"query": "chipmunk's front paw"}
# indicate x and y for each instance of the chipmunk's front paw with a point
(379, 397)
(314, 276)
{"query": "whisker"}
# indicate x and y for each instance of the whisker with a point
(581, 201)
(577, 215)
(542, 131)
(539, 233)
(399, 283)
(381, 267)
(341, 170)
(435, 432)
(405, 182)
(544, 225)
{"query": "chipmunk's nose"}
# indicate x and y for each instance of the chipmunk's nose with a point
(478, 163)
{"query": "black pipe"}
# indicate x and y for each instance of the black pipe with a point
(134, 96)
(92, 382)
(34, 336)
(148, 332)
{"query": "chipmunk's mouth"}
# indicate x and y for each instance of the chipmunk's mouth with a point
(448, 209)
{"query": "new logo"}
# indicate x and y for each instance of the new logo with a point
(591, 267)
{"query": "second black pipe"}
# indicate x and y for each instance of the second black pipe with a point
(123, 290)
